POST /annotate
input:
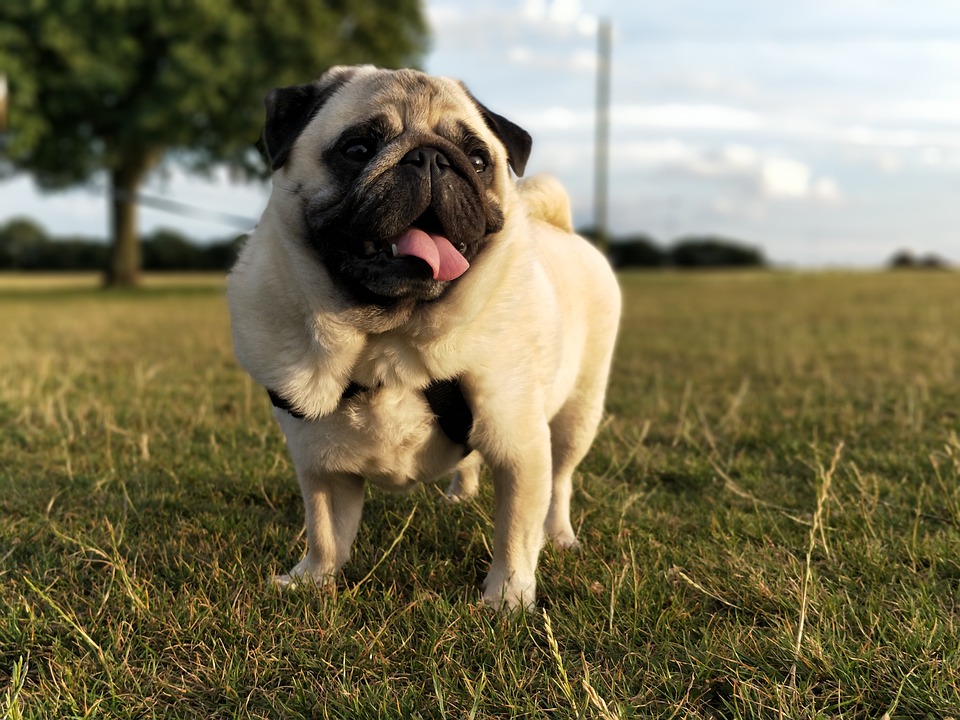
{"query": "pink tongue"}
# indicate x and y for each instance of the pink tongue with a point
(435, 250)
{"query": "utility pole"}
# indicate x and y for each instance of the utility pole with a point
(601, 150)
(3, 104)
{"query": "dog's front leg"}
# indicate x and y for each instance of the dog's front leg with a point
(521, 482)
(333, 504)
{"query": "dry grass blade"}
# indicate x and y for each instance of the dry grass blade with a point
(386, 554)
(72, 622)
(603, 709)
(563, 681)
(825, 478)
(676, 572)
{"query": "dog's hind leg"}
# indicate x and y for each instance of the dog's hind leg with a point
(572, 431)
(466, 479)
(333, 505)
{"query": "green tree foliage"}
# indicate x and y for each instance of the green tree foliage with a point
(25, 246)
(117, 85)
(635, 251)
(713, 252)
(906, 260)
(17, 240)
(706, 251)
(169, 250)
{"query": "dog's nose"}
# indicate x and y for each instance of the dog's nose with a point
(424, 157)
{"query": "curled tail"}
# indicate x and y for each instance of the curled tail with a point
(546, 200)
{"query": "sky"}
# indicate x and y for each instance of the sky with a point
(825, 132)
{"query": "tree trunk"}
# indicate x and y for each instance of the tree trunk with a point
(123, 269)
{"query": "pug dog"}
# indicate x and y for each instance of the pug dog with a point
(414, 311)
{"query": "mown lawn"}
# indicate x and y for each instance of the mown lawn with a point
(770, 521)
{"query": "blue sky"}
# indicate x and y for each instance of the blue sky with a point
(826, 132)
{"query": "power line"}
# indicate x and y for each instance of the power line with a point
(176, 207)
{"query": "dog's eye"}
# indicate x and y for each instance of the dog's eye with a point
(478, 162)
(357, 150)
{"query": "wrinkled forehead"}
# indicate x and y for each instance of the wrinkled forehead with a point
(402, 100)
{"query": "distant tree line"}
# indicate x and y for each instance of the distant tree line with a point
(699, 251)
(24, 245)
(906, 260)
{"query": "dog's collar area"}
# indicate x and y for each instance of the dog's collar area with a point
(451, 409)
(445, 398)
(279, 401)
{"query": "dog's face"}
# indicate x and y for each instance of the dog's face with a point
(400, 177)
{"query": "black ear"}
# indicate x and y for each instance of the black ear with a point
(515, 139)
(289, 109)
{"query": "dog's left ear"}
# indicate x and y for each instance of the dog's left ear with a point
(289, 109)
(515, 139)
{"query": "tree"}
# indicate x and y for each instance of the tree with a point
(906, 260)
(117, 85)
(18, 239)
(635, 251)
(714, 252)
(169, 250)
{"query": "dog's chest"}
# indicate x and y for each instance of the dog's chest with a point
(385, 432)
(391, 360)
(386, 435)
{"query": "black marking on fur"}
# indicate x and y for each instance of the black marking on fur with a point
(354, 388)
(445, 398)
(289, 110)
(451, 410)
(515, 139)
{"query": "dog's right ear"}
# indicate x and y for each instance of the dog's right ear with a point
(289, 109)
(515, 139)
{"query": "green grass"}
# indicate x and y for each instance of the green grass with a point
(770, 519)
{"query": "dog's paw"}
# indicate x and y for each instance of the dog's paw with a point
(510, 593)
(463, 486)
(560, 533)
(285, 582)
(566, 541)
(455, 495)
(304, 574)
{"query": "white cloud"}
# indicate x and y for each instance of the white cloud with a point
(519, 55)
(584, 60)
(861, 135)
(564, 12)
(826, 189)
(686, 116)
(756, 174)
(784, 178)
(672, 116)
(932, 156)
(587, 25)
(560, 13)
(533, 10)
(741, 156)
(933, 111)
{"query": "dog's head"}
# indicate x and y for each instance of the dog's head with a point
(400, 177)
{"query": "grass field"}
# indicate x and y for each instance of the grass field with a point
(770, 521)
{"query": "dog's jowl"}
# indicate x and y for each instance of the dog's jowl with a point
(415, 311)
